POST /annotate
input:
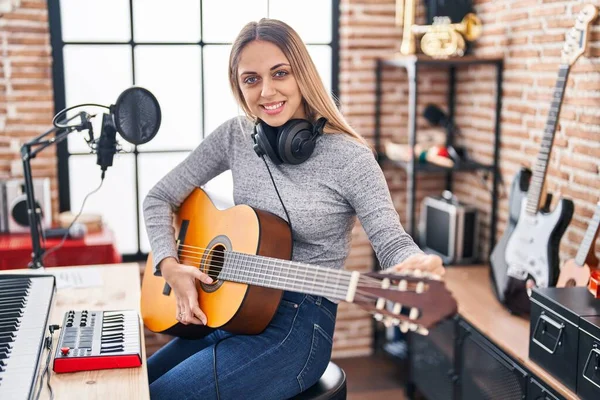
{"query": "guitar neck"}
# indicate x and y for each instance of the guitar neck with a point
(288, 275)
(541, 166)
(587, 245)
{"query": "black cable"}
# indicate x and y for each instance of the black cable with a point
(60, 113)
(277, 191)
(46, 372)
(64, 238)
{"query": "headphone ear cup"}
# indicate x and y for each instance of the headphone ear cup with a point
(263, 146)
(296, 142)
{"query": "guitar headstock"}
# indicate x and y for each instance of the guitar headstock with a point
(411, 300)
(577, 37)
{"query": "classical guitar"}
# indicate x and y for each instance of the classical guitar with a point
(246, 251)
(532, 249)
(577, 271)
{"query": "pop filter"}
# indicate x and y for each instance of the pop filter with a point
(137, 115)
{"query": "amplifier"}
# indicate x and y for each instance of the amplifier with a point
(449, 229)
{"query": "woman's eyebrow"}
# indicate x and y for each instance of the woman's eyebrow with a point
(272, 68)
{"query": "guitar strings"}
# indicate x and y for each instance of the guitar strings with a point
(330, 290)
(249, 261)
(364, 280)
(251, 272)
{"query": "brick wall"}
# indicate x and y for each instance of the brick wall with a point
(527, 33)
(26, 102)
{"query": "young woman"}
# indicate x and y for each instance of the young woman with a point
(318, 191)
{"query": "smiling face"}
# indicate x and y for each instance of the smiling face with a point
(268, 84)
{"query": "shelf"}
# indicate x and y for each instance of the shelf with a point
(463, 166)
(420, 59)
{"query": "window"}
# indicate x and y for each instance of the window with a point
(180, 54)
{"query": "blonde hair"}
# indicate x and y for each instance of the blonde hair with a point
(317, 102)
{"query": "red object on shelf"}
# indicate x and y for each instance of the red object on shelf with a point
(93, 248)
(594, 284)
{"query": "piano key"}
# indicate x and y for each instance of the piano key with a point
(22, 356)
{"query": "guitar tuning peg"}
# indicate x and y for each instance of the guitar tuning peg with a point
(380, 303)
(417, 273)
(404, 326)
(403, 285)
(420, 287)
(422, 331)
(397, 308)
(396, 321)
(385, 283)
(414, 313)
(378, 317)
(387, 322)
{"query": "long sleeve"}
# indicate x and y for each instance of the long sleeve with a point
(368, 193)
(209, 159)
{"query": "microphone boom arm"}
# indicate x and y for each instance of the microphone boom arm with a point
(30, 150)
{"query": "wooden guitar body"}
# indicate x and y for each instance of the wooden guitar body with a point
(203, 232)
(584, 270)
(572, 274)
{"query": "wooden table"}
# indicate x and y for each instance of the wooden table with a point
(120, 290)
(471, 286)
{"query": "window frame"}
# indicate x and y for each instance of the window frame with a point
(59, 96)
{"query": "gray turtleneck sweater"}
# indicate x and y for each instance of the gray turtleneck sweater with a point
(323, 195)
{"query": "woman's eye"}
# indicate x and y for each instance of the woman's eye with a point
(250, 80)
(281, 73)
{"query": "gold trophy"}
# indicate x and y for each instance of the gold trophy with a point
(444, 39)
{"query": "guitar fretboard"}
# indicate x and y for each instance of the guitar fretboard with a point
(541, 166)
(285, 275)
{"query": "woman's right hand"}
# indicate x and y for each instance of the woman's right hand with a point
(182, 279)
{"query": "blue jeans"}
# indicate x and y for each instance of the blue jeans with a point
(284, 360)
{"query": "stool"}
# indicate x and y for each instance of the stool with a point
(331, 386)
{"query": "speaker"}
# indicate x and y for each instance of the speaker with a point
(449, 229)
(16, 204)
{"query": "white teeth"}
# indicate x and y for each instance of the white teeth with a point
(274, 107)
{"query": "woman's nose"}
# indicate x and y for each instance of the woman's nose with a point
(268, 89)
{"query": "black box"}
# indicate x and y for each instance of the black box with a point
(449, 229)
(556, 315)
(588, 369)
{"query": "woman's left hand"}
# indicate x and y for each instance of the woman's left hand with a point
(425, 262)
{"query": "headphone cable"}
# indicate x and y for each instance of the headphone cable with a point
(277, 191)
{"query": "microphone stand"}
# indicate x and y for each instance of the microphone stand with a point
(29, 151)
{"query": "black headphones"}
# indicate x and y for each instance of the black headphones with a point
(295, 140)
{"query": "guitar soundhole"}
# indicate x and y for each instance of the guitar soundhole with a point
(213, 264)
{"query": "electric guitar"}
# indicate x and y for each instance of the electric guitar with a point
(246, 251)
(532, 249)
(518, 193)
(577, 272)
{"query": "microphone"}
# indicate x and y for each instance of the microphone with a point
(76, 231)
(135, 116)
(107, 143)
